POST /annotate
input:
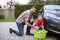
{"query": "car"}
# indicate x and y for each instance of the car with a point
(51, 15)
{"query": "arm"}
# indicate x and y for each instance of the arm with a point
(36, 24)
(32, 19)
(43, 27)
(43, 24)
(27, 19)
(27, 23)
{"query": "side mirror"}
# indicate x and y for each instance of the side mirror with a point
(39, 11)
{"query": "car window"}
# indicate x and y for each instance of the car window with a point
(52, 12)
(52, 8)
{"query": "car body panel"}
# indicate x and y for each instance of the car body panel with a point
(52, 16)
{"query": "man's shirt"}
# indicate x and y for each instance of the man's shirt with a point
(23, 17)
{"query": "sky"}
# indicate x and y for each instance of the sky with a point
(2, 2)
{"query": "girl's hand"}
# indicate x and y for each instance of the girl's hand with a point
(42, 27)
(35, 28)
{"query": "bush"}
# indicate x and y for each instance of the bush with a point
(20, 8)
(1, 16)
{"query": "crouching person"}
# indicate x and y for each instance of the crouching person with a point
(39, 24)
(22, 20)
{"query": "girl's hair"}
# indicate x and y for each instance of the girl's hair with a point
(40, 15)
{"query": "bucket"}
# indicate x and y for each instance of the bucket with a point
(40, 34)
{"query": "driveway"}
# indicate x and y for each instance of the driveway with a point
(5, 35)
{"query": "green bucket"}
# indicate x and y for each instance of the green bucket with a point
(40, 34)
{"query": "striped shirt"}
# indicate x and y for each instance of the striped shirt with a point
(25, 16)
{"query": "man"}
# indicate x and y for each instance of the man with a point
(23, 19)
(29, 28)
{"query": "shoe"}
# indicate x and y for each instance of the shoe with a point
(10, 30)
(30, 34)
(20, 35)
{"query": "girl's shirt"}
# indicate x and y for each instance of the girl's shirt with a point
(39, 23)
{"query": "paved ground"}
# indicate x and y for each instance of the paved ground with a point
(5, 35)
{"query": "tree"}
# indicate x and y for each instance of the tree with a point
(35, 1)
(0, 6)
(11, 3)
(53, 1)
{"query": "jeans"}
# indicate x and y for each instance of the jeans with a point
(20, 31)
(40, 28)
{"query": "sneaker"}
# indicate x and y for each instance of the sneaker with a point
(10, 30)
(30, 34)
(20, 35)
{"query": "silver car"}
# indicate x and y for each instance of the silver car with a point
(51, 14)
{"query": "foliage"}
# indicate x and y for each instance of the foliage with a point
(20, 8)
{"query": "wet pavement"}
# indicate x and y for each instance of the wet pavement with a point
(5, 35)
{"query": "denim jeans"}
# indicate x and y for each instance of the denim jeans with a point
(20, 28)
(40, 28)
(20, 31)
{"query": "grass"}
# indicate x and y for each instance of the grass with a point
(7, 20)
(10, 20)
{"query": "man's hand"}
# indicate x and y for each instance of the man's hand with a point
(28, 24)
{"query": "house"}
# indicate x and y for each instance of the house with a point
(6, 13)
